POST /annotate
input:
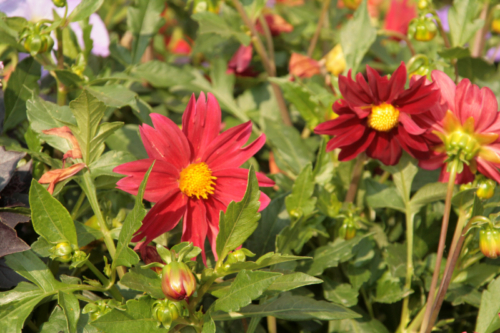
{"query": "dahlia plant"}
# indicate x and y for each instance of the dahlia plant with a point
(249, 166)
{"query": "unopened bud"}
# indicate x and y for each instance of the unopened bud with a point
(422, 29)
(486, 189)
(347, 230)
(62, 252)
(59, 3)
(489, 242)
(166, 312)
(178, 282)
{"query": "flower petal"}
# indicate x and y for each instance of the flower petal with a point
(242, 174)
(201, 123)
(488, 169)
(195, 225)
(447, 88)
(349, 152)
(409, 125)
(163, 217)
(163, 178)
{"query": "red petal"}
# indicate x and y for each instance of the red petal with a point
(175, 145)
(214, 208)
(353, 92)
(163, 178)
(338, 125)
(435, 161)
(412, 141)
(349, 152)
(195, 225)
(242, 174)
(488, 169)
(385, 148)
(346, 139)
(163, 217)
(396, 83)
(447, 88)
(201, 123)
(241, 59)
(409, 125)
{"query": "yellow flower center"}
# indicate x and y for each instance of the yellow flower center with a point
(383, 118)
(197, 181)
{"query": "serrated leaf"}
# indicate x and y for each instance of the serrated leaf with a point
(246, 287)
(28, 265)
(71, 307)
(487, 318)
(356, 37)
(463, 22)
(105, 164)
(50, 218)
(143, 21)
(266, 260)
(57, 322)
(17, 92)
(366, 324)
(124, 255)
(212, 23)
(341, 293)
(292, 281)
(84, 10)
(402, 175)
(160, 74)
(382, 196)
(127, 139)
(143, 280)
(301, 202)
(240, 219)
(137, 317)
(293, 308)
(331, 255)
(427, 194)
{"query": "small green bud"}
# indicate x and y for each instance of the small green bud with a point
(489, 242)
(347, 230)
(59, 3)
(486, 189)
(422, 29)
(62, 252)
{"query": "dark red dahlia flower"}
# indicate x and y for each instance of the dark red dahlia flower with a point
(196, 173)
(469, 131)
(381, 117)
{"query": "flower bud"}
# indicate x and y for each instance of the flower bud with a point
(422, 29)
(423, 4)
(59, 3)
(347, 230)
(489, 242)
(352, 4)
(62, 252)
(495, 25)
(486, 189)
(236, 256)
(99, 308)
(178, 282)
(166, 312)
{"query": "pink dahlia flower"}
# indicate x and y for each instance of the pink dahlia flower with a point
(196, 172)
(470, 129)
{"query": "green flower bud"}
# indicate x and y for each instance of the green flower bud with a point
(347, 230)
(486, 189)
(166, 312)
(178, 282)
(99, 308)
(59, 3)
(62, 252)
(47, 43)
(422, 29)
(489, 242)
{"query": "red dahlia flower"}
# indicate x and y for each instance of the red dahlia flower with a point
(381, 117)
(196, 173)
(470, 130)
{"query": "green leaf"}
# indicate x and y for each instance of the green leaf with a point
(240, 219)
(293, 308)
(21, 81)
(267, 259)
(389, 289)
(403, 174)
(476, 69)
(57, 322)
(50, 218)
(288, 146)
(143, 280)
(427, 194)
(341, 293)
(302, 99)
(17, 304)
(71, 307)
(68, 78)
(464, 199)
(161, 74)
(29, 266)
(124, 255)
(487, 318)
(212, 23)
(84, 10)
(246, 287)
(88, 112)
(366, 324)
(108, 161)
(44, 115)
(292, 281)
(301, 202)
(143, 21)
(137, 317)
(356, 37)
(462, 21)
(208, 325)
(381, 196)
(330, 255)
(455, 53)
(274, 219)
(323, 168)
(127, 139)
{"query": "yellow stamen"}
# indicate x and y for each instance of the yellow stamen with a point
(197, 181)
(383, 117)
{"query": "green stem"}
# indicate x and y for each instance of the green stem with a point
(105, 281)
(271, 324)
(78, 204)
(368, 304)
(405, 313)
(62, 92)
(455, 249)
(390, 33)
(254, 322)
(321, 21)
(442, 240)
(201, 292)
(90, 191)
(356, 176)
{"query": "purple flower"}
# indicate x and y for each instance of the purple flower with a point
(443, 16)
(35, 10)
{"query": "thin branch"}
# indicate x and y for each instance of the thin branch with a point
(322, 17)
(390, 33)
(356, 176)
